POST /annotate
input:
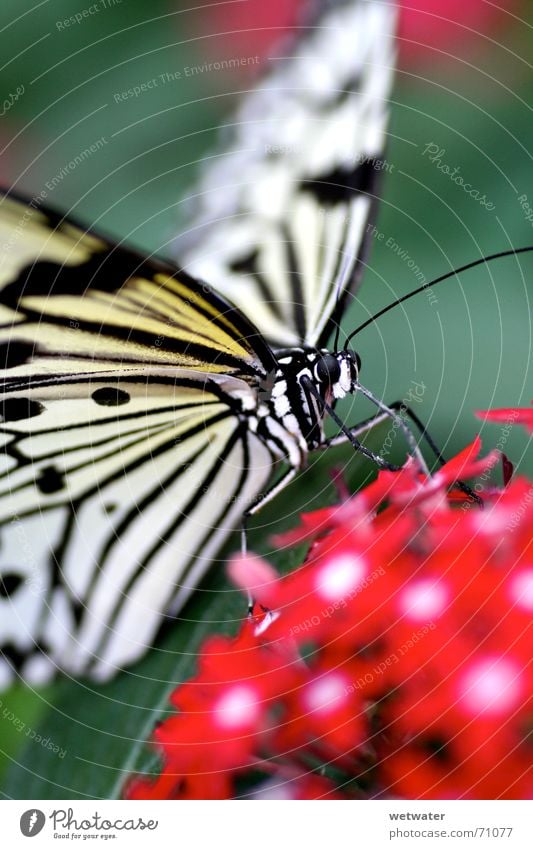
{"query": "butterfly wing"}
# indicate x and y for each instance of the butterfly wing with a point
(126, 456)
(127, 459)
(279, 222)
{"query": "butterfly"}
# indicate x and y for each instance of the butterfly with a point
(145, 407)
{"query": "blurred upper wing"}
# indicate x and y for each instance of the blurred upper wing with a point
(279, 220)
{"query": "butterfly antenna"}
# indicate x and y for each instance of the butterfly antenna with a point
(433, 283)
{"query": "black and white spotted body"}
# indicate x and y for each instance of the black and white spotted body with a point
(290, 419)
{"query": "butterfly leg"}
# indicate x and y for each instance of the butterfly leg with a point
(400, 408)
(397, 419)
(268, 496)
(353, 435)
(357, 431)
(368, 424)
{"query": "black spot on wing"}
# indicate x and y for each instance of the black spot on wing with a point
(110, 396)
(341, 184)
(16, 409)
(50, 480)
(9, 584)
(15, 353)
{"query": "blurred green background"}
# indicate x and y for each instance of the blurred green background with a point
(470, 347)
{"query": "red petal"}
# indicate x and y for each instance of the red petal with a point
(509, 416)
(255, 577)
(465, 465)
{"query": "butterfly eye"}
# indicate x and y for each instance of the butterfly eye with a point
(327, 369)
(355, 360)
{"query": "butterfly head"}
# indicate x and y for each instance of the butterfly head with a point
(337, 374)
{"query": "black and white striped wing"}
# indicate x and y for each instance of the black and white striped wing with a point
(279, 219)
(125, 459)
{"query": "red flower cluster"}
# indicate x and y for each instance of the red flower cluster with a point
(396, 662)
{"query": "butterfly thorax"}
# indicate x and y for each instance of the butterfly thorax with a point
(289, 415)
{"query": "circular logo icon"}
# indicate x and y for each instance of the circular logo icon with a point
(32, 822)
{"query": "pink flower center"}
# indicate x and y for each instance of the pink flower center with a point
(325, 694)
(238, 706)
(424, 599)
(492, 685)
(522, 588)
(340, 576)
